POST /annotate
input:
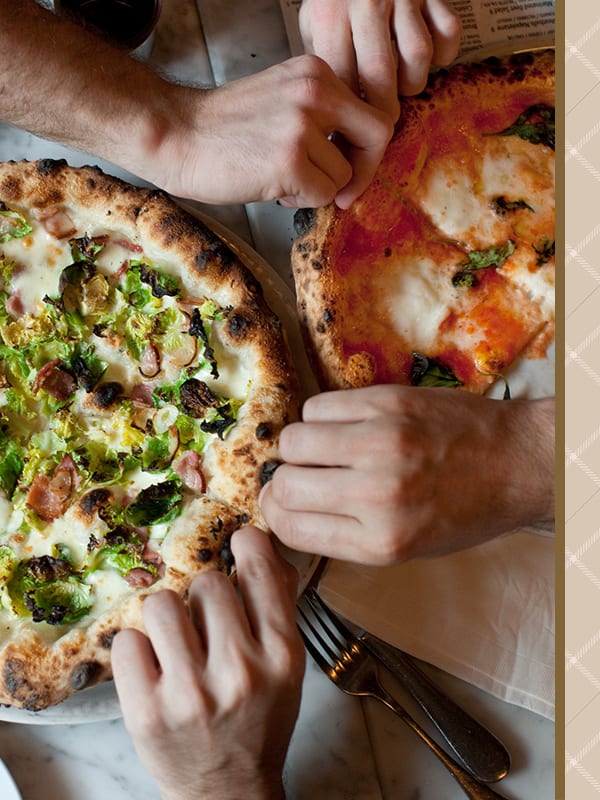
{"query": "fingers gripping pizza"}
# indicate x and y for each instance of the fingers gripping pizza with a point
(143, 385)
(442, 272)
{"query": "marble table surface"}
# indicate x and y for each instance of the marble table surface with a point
(343, 748)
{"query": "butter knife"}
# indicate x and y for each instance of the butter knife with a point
(485, 757)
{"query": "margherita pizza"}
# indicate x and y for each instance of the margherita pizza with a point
(143, 385)
(442, 272)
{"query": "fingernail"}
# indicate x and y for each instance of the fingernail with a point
(262, 493)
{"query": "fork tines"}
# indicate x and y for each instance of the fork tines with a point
(339, 639)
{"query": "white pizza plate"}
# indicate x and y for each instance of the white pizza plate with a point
(8, 788)
(100, 703)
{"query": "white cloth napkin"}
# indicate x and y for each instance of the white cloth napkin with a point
(485, 615)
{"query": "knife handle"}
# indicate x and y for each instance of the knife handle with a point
(480, 751)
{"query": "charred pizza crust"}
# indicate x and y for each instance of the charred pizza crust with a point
(351, 268)
(40, 663)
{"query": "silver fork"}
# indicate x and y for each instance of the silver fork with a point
(354, 670)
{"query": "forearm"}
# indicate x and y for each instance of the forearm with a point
(263, 137)
(62, 83)
(529, 463)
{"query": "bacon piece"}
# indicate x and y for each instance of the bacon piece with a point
(50, 497)
(150, 556)
(14, 305)
(57, 222)
(141, 394)
(43, 373)
(189, 470)
(127, 245)
(65, 477)
(122, 270)
(139, 577)
(55, 380)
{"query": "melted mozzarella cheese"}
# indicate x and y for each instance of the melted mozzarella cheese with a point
(109, 589)
(448, 194)
(517, 170)
(537, 282)
(37, 248)
(40, 248)
(422, 298)
(459, 198)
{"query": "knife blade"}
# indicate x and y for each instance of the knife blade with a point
(482, 753)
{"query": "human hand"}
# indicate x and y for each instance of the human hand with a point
(211, 697)
(385, 47)
(389, 473)
(267, 136)
(263, 137)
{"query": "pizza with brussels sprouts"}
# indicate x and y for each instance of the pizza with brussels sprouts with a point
(143, 385)
(442, 272)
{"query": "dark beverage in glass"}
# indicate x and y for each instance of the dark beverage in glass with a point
(126, 22)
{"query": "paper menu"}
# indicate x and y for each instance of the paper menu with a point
(486, 24)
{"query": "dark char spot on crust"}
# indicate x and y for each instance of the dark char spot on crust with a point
(13, 676)
(238, 325)
(226, 559)
(215, 251)
(19, 687)
(264, 430)
(48, 166)
(268, 470)
(105, 639)
(84, 674)
(304, 219)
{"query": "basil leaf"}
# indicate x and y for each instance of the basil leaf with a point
(431, 372)
(536, 125)
(482, 259)
(545, 252)
(502, 206)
